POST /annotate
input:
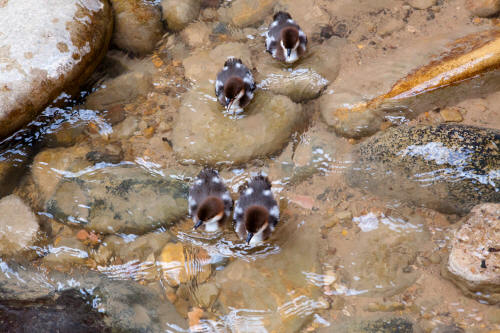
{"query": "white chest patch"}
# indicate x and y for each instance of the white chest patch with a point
(292, 58)
(211, 226)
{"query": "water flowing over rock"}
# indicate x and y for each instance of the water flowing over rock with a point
(203, 134)
(178, 14)
(119, 199)
(47, 48)
(450, 168)
(395, 88)
(138, 25)
(18, 225)
(474, 262)
(307, 78)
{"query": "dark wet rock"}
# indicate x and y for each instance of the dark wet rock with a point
(474, 261)
(45, 54)
(108, 154)
(203, 134)
(448, 167)
(483, 8)
(126, 305)
(68, 311)
(18, 225)
(138, 25)
(394, 325)
(178, 14)
(119, 199)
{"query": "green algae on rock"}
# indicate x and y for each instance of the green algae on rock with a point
(203, 134)
(47, 49)
(448, 167)
(119, 199)
(359, 102)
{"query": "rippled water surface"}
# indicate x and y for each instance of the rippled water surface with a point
(341, 259)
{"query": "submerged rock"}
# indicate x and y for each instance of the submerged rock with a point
(47, 48)
(306, 79)
(422, 4)
(243, 13)
(483, 8)
(65, 254)
(474, 261)
(447, 167)
(18, 225)
(138, 25)
(361, 99)
(203, 134)
(179, 14)
(119, 199)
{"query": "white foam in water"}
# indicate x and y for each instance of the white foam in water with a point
(370, 222)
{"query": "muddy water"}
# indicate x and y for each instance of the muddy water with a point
(341, 260)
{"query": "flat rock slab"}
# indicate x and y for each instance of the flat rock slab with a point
(47, 48)
(448, 167)
(119, 200)
(474, 262)
(203, 134)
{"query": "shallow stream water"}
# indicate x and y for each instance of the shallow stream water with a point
(341, 259)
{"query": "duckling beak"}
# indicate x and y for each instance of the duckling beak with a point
(288, 52)
(228, 107)
(249, 237)
(197, 225)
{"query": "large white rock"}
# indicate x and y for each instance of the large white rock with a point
(47, 47)
(18, 225)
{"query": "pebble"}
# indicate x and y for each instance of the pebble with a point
(422, 4)
(179, 14)
(483, 8)
(451, 115)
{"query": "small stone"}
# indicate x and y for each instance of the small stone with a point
(82, 235)
(65, 254)
(195, 316)
(179, 14)
(197, 34)
(303, 201)
(451, 115)
(138, 25)
(175, 269)
(243, 13)
(207, 294)
(18, 225)
(149, 132)
(344, 216)
(390, 26)
(422, 4)
(483, 8)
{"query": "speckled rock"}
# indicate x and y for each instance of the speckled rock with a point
(448, 167)
(138, 25)
(483, 8)
(243, 13)
(41, 56)
(18, 225)
(119, 200)
(203, 134)
(474, 261)
(179, 14)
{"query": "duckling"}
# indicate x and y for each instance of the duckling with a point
(209, 201)
(256, 212)
(234, 86)
(285, 40)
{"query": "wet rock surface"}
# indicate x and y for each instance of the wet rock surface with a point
(18, 225)
(243, 13)
(203, 134)
(390, 90)
(137, 26)
(42, 57)
(64, 312)
(447, 167)
(474, 261)
(483, 8)
(179, 14)
(119, 199)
